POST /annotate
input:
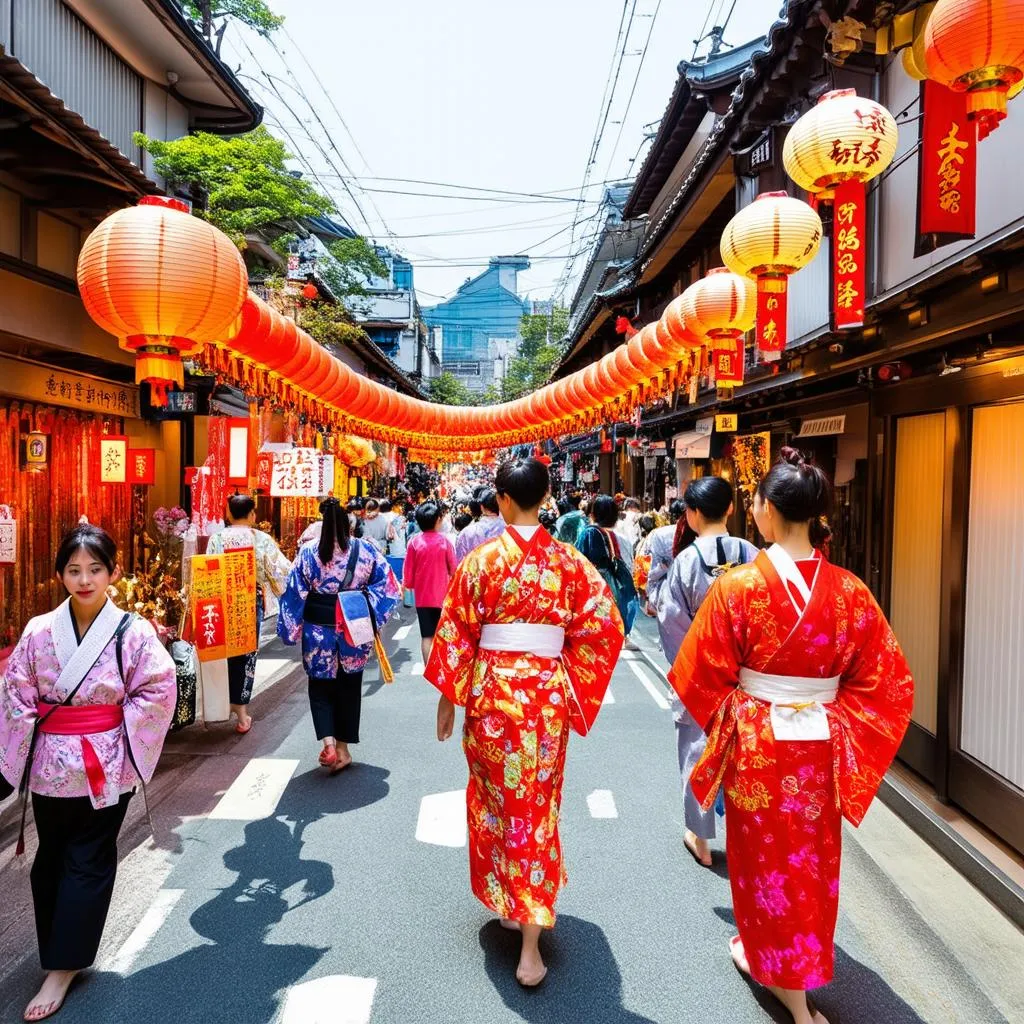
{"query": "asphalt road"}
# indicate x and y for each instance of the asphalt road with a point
(274, 893)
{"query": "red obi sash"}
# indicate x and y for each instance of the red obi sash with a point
(82, 720)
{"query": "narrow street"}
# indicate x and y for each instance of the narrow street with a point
(274, 893)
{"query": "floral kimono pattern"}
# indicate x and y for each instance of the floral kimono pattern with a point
(785, 798)
(324, 648)
(519, 708)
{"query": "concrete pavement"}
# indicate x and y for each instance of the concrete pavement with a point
(274, 893)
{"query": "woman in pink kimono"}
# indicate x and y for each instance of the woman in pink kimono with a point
(85, 704)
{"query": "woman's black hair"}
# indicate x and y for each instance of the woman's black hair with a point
(240, 506)
(801, 492)
(461, 521)
(427, 516)
(334, 531)
(647, 524)
(93, 539)
(711, 496)
(604, 511)
(488, 499)
(547, 518)
(525, 481)
(676, 509)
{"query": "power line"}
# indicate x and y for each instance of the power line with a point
(551, 193)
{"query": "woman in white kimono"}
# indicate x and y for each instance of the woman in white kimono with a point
(85, 705)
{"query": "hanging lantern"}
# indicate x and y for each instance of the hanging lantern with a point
(977, 47)
(722, 307)
(310, 292)
(773, 237)
(164, 283)
(832, 152)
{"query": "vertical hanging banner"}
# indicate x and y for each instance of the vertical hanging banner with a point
(113, 459)
(264, 470)
(240, 602)
(8, 536)
(727, 360)
(948, 169)
(142, 466)
(296, 473)
(771, 319)
(208, 598)
(848, 240)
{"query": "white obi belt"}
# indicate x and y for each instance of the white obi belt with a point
(797, 702)
(523, 638)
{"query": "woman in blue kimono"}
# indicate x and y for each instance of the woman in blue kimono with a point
(309, 609)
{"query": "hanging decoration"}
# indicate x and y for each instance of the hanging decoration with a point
(977, 47)
(832, 152)
(113, 459)
(722, 307)
(768, 240)
(141, 467)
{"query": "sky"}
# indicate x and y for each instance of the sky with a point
(475, 95)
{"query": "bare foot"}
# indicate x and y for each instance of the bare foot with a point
(794, 1000)
(739, 955)
(344, 758)
(512, 926)
(49, 999)
(700, 848)
(531, 970)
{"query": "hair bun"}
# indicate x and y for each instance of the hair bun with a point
(793, 456)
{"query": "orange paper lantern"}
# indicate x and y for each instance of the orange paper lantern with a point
(722, 307)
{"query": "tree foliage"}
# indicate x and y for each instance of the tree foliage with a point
(538, 353)
(447, 389)
(330, 325)
(357, 263)
(244, 179)
(211, 17)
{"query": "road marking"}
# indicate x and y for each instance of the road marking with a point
(602, 804)
(649, 684)
(403, 631)
(336, 999)
(418, 669)
(609, 697)
(256, 791)
(158, 912)
(442, 819)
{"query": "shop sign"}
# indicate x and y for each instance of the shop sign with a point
(62, 387)
(727, 422)
(113, 459)
(238, 451)
(142, 466)
(8, 536)
(848, 271)
(296, 474)
(947, 176)
(240, 602)
(705, 426)
(693, 446)
(264, 470)
(180, 401)
(822, 426)
(35, 450)
(207, 592)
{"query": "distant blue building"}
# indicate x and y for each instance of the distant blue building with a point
(480, 323)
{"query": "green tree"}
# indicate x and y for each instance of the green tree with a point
(254, 13)
(244, 179)
(447, 389)
(538, 354)
(357, 263)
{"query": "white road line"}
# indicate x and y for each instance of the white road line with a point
(649, 684)
(336, 999)
(417, 669)
(256, 791)
(602, 804)
(609, 697)
(403, 631)
(442, 819)
(158, 912)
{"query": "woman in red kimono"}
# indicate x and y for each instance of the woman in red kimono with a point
(527, 642)
(792, 670)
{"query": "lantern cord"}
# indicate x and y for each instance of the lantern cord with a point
(892, 167)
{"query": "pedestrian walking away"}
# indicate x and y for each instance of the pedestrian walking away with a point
(85, 704)
(333, 657)
(708, 503)
(612, 554)
(271, 574)
(792, 670)
(429, 566)
(486, 528)
(528, 640)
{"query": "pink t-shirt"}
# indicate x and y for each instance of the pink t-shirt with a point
(429, 566)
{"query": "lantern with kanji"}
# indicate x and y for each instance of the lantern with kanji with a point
(773, 237)
(832, 152)
(977, 47)
(722, 307)
(164, 283)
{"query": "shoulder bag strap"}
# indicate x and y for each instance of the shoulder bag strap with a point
(720, 545)
(350, 569)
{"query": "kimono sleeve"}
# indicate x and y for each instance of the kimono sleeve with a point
(875, 700)
(453, 656)
(592, 545)
(150, 695)
(292, 604)
(661, 563)
(382, 589)
(18, 695)
(707, 667)
(409, 567)
(451, 559)
(594, 635)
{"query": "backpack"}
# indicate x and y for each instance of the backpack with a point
(619, 578)
(723, 565)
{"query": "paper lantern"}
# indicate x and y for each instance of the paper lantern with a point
(722, 307)
(768, 240)
(673, 322)
(977, 47)
(164, 283)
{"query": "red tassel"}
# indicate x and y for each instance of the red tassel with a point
(93, 769)
(20, 848)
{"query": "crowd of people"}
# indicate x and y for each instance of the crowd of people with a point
(792, 693)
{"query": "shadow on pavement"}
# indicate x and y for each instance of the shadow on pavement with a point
(238, 974)
(856, 993)
(582, 975)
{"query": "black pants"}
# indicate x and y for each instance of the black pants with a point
(73, 877)
(335, 705)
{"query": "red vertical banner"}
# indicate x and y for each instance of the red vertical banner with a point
(849, 224)
(264, 470)
(727, 356)
(771, 316)
(142, 466)
(948, 169)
